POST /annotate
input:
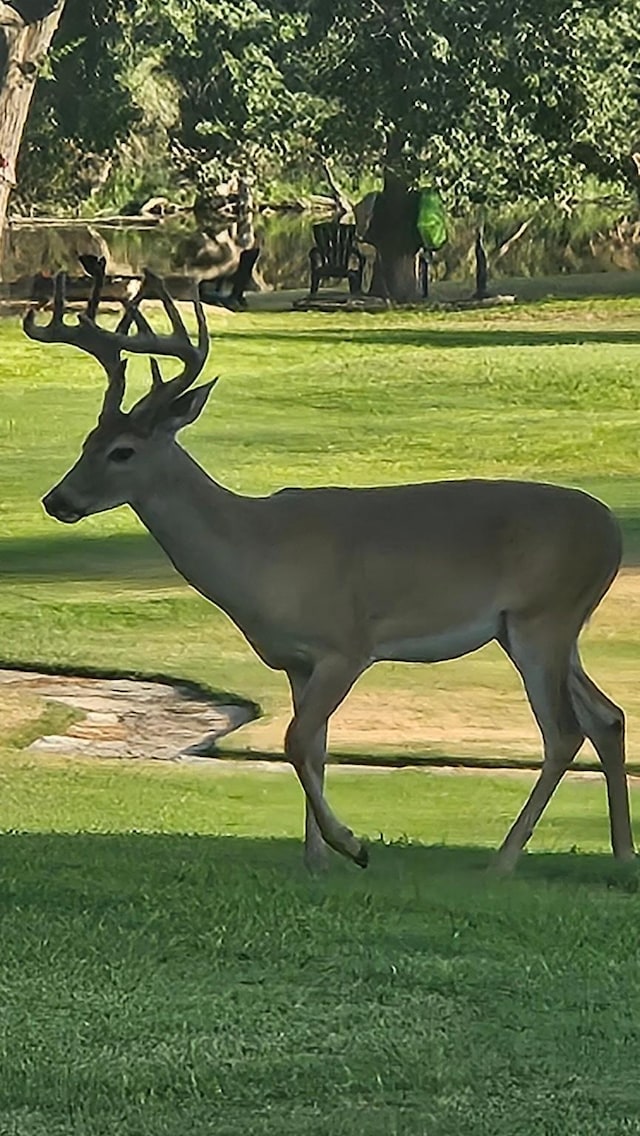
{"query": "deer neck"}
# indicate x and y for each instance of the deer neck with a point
(202, 526)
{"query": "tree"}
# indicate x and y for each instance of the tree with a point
(490, 100)
(26, 30)
(195, 90)
(236, 110)
(101, 111)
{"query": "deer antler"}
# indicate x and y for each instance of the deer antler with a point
(194, 357)
(107, 346)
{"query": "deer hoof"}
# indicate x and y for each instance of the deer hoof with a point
(361, 857)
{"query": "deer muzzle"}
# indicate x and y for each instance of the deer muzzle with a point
(59, 506)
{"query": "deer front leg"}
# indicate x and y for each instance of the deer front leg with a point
(327, 686)
(315, 849)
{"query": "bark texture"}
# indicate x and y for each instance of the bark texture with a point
(23, 46)
(394, 232)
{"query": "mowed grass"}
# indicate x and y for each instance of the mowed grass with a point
(161, 984)
(166, 966)
(548, 391)
(188, 976)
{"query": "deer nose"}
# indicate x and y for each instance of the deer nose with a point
(57, 505)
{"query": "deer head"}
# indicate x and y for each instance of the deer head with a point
(119, 455)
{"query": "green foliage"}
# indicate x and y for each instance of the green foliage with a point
(147, 96)
(608, 72)
(495, 100)
(82, 109)
(236, 107)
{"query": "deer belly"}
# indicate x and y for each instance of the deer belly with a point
(437, 646)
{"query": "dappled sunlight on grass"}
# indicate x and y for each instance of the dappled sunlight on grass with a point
(46, 794)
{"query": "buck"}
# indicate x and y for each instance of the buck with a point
(325, 582)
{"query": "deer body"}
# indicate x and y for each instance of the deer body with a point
(389, 592)
(325, 582)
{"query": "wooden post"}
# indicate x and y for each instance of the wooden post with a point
(482, 273)
(23, 47)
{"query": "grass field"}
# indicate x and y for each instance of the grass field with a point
(158, 976)
(545, 392)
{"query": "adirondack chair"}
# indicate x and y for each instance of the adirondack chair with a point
(335, 255)
(211, 291)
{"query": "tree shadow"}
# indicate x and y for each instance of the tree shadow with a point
(136, 556)
(72, 556)
(480, 337)
(127, 862)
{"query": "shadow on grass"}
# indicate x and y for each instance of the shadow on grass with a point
(128, 557)
(128, 861)
(72, 556)
(434, 759)
(430, 336)
(188, 688)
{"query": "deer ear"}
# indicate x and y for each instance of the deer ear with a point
(185, 409)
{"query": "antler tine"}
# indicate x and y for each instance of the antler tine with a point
(200, 352)
(197, 355)
(156, 375)
(203, 330)
(103, 345)
(134, 315)
(114, 393)
(106, 346)
(147, 341)
(156, 287)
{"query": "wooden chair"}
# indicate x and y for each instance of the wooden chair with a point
(211, 290)
(335, 255)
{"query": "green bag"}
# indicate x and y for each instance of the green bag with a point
(432, 221)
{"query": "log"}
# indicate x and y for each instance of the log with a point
(139, 221)
(38, 289)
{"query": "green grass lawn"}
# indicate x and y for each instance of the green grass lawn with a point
(550, 391)
(165, 965)
(172, 979)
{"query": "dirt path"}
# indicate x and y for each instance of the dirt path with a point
(122, 717)
(129, 718)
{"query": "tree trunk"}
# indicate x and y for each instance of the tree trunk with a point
(23, 46)
(394, 232)
(482, 268)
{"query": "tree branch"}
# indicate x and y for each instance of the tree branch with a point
(506, 246)
(343, 205)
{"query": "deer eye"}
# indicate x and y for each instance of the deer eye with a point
(121, 454)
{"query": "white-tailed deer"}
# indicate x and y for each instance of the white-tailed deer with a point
(324, 582)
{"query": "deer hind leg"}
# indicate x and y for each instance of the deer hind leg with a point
(543, 663)
(315, 849)
(328, 685)
(603, 723)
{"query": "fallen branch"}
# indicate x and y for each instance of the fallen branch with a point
(147, 220)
